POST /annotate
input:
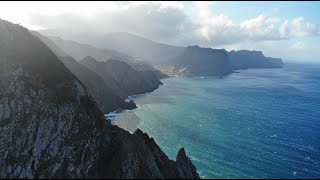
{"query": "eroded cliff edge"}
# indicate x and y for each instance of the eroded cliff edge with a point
(52, 128)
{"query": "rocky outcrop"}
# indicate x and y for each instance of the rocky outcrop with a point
(139, 157)
(245, 59)
(275, 62)
(52, 128)
(197, 61)
(123, 79)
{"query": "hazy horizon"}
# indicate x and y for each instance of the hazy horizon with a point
(288, 30)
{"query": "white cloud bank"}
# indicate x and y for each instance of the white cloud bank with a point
(220, 29)
(167, 22)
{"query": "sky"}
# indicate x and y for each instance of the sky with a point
(289, 30)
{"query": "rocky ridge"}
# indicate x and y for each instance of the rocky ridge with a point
(52, 128)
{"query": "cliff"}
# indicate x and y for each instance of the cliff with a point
(52, 128)
(197, 61)
(107, 100)
(275, 62)
(122, 78)
(245, 59)
(105, 97)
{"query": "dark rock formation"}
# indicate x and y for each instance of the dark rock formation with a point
(143, 66)
(129, 105)
(275, 62)
(197, 61)
(107, 100)
(52, 128)
(105, 97)
(245, 59)
(123, 79)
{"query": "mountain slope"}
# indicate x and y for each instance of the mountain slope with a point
(80, 51)
(123, 79)
(197, 61)
(52, 128)
(245, 59)
(138, 47)
(143, 66)
(123, 42)
(107, 100)
(105, 97)
(159, 53)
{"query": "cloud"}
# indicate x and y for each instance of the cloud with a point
(300, 28)
(168, 22)
(221, 30)
(155, 20)
(263, 27)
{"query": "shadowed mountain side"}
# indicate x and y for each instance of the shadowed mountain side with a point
(105, 97)
(52, 128)
(123, 79)
(107, 100)
(144, 66)
(197, 61)
(80, 51)
(245, 59)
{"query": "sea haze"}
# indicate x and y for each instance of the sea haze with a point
(259, 123)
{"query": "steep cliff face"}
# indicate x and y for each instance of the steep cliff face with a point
(105, 97)
(52, 128)
(107, 100)
(197, 61)
(245, 59)
(138, 156)
(275, 62)
(123, 79)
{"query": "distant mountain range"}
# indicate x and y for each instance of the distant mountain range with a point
(175, 60)
(135, 46)
(245, 59)
(105, 80)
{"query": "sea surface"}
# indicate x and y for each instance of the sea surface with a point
(258, 123)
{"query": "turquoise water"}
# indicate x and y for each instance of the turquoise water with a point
(259, 123)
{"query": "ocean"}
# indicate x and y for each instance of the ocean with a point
(257, 123)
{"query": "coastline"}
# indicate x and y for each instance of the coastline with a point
(207, 129)
(112, 115)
